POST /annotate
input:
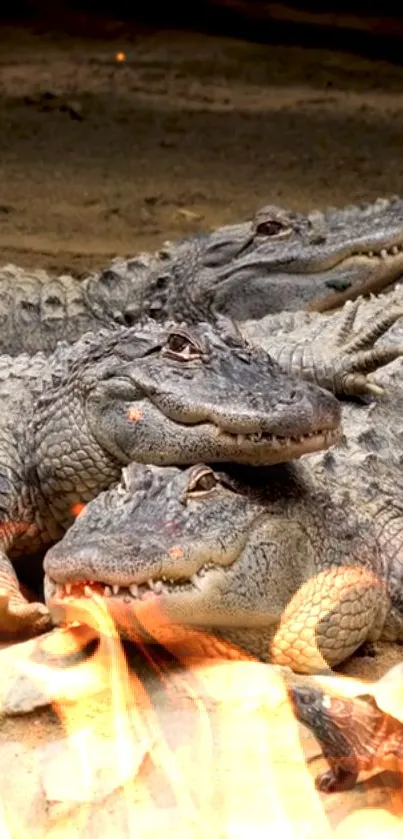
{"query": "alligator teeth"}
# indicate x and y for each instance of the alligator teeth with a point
(393, 250)
(195, 581)
(134, 591)
(383, 253)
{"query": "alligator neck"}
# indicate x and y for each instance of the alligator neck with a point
(64, 465)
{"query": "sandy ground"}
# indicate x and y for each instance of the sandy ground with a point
(100, 157)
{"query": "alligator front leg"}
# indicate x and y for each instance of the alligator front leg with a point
(328, 618)
(18, 617)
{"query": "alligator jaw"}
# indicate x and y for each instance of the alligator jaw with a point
(170, 594)
(261, 440)
(380, 273)
(134, 593)
(371, 257)
(271, 449)
(389, 258)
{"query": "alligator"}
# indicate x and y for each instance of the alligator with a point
(150, 394)
(280, 260)
(298, 563)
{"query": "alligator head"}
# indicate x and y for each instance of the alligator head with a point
(279, 260)
(180, 395)
(296, 257)
(258, 558)
(194, 539)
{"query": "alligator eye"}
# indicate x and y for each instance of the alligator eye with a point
(273, 227)
(202, 482)
(182, 347)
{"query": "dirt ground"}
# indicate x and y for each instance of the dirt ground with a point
(101, 157)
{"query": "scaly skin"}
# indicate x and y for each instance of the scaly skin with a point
(337, 351)
(164, 396)
(355, 735)
(288, 572)
(303, 561)
(277, 261)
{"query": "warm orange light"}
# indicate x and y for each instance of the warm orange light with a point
(176, 552)
(238, 768)
(134, 414)
(78, 508)
(12, 529)
(120, 56)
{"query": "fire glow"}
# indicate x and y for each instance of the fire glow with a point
(239, 772)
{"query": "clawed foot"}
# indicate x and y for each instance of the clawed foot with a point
(18, 617)
(335, 780)
(330, 352)
(355, 354)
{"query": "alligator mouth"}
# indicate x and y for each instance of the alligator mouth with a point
(133, 593)
(304, 443)
(382, 253)
(386, 255)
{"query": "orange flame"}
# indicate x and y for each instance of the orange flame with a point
(235, 768)
(120, 56)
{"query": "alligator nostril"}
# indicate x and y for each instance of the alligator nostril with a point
(162, 281)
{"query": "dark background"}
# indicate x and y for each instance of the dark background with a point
(353, 25)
